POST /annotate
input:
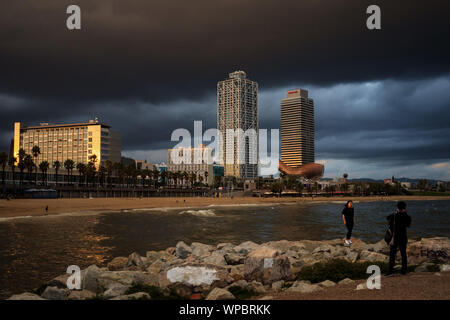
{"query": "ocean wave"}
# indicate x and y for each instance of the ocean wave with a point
(199, 213)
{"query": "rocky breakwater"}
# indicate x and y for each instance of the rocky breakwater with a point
(229, 271)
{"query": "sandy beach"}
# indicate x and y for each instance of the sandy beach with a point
(36, 207)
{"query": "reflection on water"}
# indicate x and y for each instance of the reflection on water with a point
(35, 250)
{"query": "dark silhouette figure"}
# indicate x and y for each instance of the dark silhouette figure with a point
(348, 215)
(46, 209)
(398, 222)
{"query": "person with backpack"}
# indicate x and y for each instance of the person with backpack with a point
(348, 215)
(397, 236)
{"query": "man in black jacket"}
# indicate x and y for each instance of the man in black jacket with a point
(398, 222)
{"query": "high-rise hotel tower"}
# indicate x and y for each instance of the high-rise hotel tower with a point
(297, 128)
(237, 108)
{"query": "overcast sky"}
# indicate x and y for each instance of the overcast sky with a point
(382, 97)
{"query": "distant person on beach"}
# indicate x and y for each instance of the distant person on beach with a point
(348, 215)
(46, 209)
(398, 222)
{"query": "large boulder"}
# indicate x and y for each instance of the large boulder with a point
(371, 256)
(216, 258)
(266, 265)
(26, 296)
(256, 287)
(81, 295)
(54, 293)
(118, 263)
(108, 278)
(135, 262)
(194, 275)
(429, 249)
(284, 246)
(134, 296)
(59, 281)
(182, 250)
(89, 279)
(115, 290)
(201, 250)
(220, 294)
(233, 258)
(246, 247)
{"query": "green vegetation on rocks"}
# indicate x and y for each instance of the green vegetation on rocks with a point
(337, 270)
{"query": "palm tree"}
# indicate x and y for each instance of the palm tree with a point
(118, 167)
(44, 165)
(91, 170)
(178, 176)
(29, 164)
(56, 166)
(101, 174)
(345, 176)
(185, 176)
(164, 175)
(21, 164)
(3, 163)
(109, 169)
(169, 175)
(206, 177)
(12, 165)
(69, 164)
(36, 151)
(155, 175)
(192, 177)
(144, 174)
(81, 167)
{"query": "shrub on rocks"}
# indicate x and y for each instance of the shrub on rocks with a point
(337, 270)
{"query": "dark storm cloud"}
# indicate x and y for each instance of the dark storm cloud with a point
(389, 120)
(160, 50)
(149, 67)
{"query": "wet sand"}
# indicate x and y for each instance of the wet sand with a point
(36, 207)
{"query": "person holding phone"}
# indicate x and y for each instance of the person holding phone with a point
(398, 222)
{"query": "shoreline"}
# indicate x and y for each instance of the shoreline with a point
(25, 208)
(300, 269)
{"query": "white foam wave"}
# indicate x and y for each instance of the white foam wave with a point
(200, 213)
